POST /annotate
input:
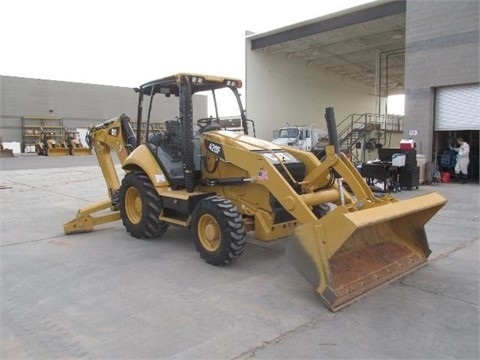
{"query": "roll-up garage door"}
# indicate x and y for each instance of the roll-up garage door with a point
(457, 108)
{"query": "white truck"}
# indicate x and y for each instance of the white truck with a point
(309, 138)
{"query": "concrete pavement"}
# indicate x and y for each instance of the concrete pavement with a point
(107, 295)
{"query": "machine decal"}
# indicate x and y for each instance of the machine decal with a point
(160, 178)
(263, 174)
(114, 131)
(215, 148)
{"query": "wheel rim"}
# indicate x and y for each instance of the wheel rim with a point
(133, 205)
(209, 232)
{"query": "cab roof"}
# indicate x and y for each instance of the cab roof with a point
(199, 82)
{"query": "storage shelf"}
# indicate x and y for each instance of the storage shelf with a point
(36, 124)
(42, 118)
(44, 126)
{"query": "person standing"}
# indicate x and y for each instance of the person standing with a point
(461, 172)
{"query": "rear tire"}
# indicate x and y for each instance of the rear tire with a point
(140, 206)
(218, 230)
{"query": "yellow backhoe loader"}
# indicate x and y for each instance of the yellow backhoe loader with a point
(222, 184)
(4, 152)
(47, 145)
(74, 144)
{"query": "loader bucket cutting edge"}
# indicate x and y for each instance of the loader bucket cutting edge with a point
(81, 152)
(58, 152)
(345, 255)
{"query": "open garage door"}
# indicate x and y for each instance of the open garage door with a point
(457, 108)
(457, 114)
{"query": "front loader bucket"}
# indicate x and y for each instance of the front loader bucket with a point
(58, 152)
(345, 255)
(6, 153)
(81, 151)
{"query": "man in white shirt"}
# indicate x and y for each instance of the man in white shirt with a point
(461, 172)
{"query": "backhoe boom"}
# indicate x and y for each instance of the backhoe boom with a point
(117, 135)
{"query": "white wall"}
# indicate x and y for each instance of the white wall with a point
(280, 90)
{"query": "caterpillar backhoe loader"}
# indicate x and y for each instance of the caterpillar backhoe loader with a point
(74, 144)
(4, 152)
(222, 184)
(48, 146)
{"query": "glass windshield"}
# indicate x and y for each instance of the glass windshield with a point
(226, 113)
(223, 108)
(226, 102)
(288, 133)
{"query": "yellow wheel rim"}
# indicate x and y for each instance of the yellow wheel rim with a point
(209, 232)
(133, 205)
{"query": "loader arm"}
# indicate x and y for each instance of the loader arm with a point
(256, 156)
(113, 135)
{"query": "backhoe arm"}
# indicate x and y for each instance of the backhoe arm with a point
(117, 135)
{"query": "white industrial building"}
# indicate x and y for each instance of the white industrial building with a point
(354, 59)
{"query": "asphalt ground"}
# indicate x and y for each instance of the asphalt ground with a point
(106, 295)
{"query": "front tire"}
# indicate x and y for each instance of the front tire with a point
(140, 206)
(218, 230)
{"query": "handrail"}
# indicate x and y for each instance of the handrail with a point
(355, 127)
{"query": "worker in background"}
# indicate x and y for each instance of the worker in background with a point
(461, 172)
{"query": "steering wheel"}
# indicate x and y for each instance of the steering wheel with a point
(204, 122)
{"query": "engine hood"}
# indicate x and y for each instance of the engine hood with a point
(239, 140)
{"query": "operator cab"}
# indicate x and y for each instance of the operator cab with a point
(177, 146)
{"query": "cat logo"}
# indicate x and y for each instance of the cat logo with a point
(114, 131)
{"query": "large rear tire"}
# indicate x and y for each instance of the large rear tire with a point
(218, 230)
(140, 206)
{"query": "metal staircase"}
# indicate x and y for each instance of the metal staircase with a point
(367, 129)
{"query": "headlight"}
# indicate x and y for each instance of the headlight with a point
(196, 80)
